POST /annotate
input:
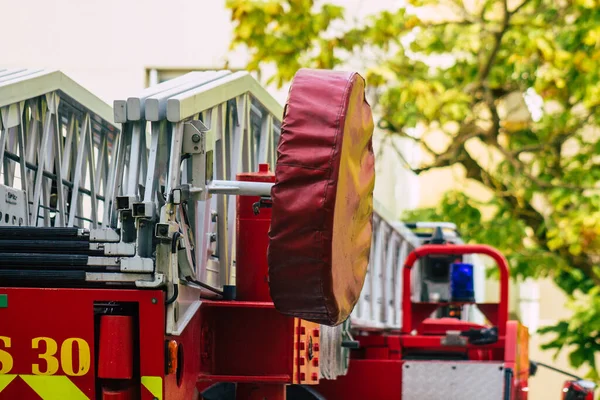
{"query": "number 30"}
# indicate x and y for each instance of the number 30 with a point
(66, 356)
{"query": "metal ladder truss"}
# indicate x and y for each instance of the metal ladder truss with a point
(183, 143)
(56, 159)
(56, 143)
(151, 204)
(380, 303)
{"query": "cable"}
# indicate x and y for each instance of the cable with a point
(172, 299)
(176, 236)
(204, 285)
(175, 295)
(556, 370)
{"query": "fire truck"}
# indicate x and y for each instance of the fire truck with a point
(200, 241)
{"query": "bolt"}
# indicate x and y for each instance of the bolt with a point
(316, 362)
(154, 301)
(316, 332)
(314, 376)
(302, 376)
(163, 230)
(214, 216)
(316, 347)
(302, 345)
(300, 330)
(302, 360)
(195, 138)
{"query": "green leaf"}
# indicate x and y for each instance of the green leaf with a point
(530, 168)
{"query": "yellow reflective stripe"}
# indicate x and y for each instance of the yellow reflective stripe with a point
(154, 385)
(5, 380)
(56, 387)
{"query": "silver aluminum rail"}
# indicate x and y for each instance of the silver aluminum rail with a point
(379, 306)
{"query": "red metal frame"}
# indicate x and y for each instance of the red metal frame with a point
(61, 314)
(248, 341)
(497, 314)
(375, 369)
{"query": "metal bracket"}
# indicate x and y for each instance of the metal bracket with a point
(199, 142)
(114, 249)
(264, 202)
(125, 202)
(453, 338)
(104, 235)
(195, 135)
(137, 264)
(143, 210)
(165, 231)
(159, 280)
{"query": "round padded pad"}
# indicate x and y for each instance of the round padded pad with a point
(321, 227)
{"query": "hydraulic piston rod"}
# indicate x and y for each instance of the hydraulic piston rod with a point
(237, 188)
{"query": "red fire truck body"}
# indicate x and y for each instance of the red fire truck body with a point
(133, 260)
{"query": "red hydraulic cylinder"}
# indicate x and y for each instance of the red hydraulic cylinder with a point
(252, 270)
(115, 359)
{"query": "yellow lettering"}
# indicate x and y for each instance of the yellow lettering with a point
(66, 356)
(47, 356)
(6, 360)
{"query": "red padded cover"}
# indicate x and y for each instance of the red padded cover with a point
(320, 237)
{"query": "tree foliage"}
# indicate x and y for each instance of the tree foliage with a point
(540, 169)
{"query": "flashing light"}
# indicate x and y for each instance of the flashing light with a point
(461, 282)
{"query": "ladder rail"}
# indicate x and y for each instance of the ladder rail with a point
(56, 149)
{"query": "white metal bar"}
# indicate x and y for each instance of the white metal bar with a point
(235, 161)
(35, 83)
(185, 105)
(92, 171)
(135, 106)
(73, 126)
(100, 164)
(138, 129)
(61, 218)
(174, 162)
(266, 132)
(220, 168)
(156, 105)
(240, 188)
(3, 161)
(23, 170)
(78, 170)
(153, 157)
(39, 176)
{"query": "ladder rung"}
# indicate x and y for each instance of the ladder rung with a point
(42, 260)
(21, 232)
(19, 275)
(47, 246)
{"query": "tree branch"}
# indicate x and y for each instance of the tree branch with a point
(450, 156)
(487, 67)
(520, 167)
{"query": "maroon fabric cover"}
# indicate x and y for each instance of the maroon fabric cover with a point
(320, 236)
